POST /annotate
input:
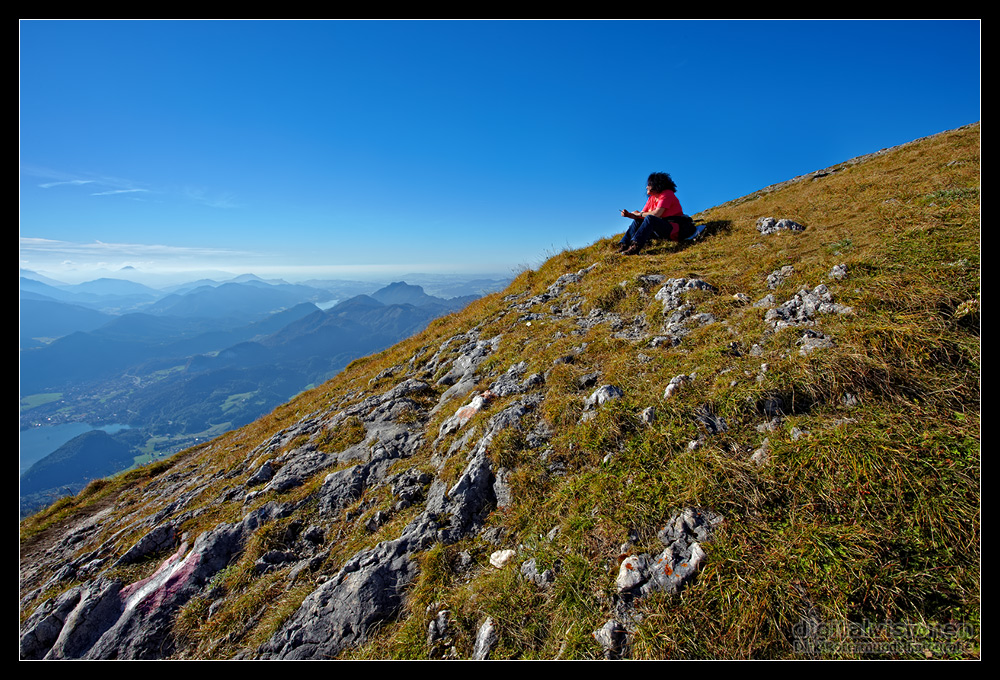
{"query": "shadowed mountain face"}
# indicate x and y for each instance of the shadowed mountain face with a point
(187, 375)
(88, 456)
(763, 444)
(69, 468)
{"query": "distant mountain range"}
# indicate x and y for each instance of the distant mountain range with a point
(191, 363)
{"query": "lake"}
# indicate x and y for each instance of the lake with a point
(38, 442)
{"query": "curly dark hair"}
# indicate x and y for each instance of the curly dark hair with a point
(660, 181)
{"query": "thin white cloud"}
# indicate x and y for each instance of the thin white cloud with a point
(74, 182)
(226, 200)
(111, 251)
(119, 191)
(53, 178)
(113, 186)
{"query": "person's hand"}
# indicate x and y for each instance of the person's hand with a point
(630, 215)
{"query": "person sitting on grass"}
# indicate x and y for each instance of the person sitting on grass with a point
(661, 217)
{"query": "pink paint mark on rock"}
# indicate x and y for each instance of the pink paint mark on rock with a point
(150, 593)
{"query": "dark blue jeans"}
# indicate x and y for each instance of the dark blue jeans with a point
(650, 227)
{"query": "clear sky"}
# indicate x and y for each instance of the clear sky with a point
(331, 148)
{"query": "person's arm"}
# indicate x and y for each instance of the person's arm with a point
(659, 209)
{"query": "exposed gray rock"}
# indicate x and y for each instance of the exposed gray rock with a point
(804, 306)
(767, 301)
(601, 396)
(611, 637)
(597, 317)
(777, 277)
(466, 363)
(472, 497)
(511, 383)
(461, 388)
(673, 291)
(501, 488)
(772, 425)
(763, 454)
(391, 371)
(529, 570)
(650, 280)
(263, 475)
(675, 384)
(437, 629)
(408, 487)
(465, 414)
(813, 340)
(314, 534)
(302, 464)
(676, 566)
(541, 433)
(486, 640)
(44, 626)
(664, 341)
(367, 590)
(376, 521)
(273, 559)
(632, 330)
(160, 538)
(341, 488)
(707, 417)
(555, 290)
(772, 405)
(769, 225)
(690, 524)
(107, 620)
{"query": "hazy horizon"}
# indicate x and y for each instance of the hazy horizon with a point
(365, 273)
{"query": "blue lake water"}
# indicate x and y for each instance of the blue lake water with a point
(38, 442)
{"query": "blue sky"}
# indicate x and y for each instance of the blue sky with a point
(337, 149)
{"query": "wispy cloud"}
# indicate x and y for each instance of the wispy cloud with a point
(58, 178)
(225, 200)
(111, 251)
(113, 192)
(73, 182)
(117, 186)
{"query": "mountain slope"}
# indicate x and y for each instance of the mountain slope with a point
(81, 459)
(755, 446)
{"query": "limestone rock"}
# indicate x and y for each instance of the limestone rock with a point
(486, 640)
(769, 225)
(601, 396)
(611, 637)
(683, 534)
(501, 557)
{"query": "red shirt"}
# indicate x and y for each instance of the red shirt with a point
(667, 199)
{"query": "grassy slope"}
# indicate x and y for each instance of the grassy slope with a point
(871, 517)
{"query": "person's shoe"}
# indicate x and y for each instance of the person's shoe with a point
(619, 247)
(633, 249)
